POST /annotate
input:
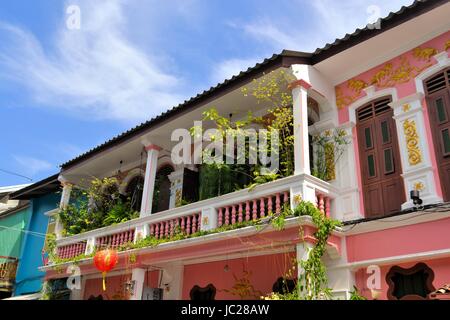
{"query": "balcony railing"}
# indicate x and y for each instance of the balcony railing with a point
(229, 209)
(8, 268)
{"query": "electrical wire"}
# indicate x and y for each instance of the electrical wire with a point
(15, 174)
(33, 233)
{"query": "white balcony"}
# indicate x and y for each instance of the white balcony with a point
(229, 209)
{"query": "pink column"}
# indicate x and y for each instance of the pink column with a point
(247, 210)
(157, 231)
(227, 216)
(328, 207)
(188, 225)
(255, 210)
(171, 228)
(166, 233)
(321, 204)
(277, 203)
(233, 214)
(220, 220)
(161, 230)
(269, 205)
(152, 230)
(194, 223)
(261, 208)
(122, 238)
(240, 218)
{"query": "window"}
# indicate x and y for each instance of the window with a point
(368, 136)
(446, 141)
(388, 161)
(371, 165)
(440, 111)
(410, 284)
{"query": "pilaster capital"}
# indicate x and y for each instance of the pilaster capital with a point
(299, 84)
(64, 182)
(152, 147)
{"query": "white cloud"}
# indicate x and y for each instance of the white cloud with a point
(94, 71)
(329, 19)
(31, 166)
(228, 68)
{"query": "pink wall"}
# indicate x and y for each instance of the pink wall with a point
(114, 287)
(440, 267)
(265, 271)
(404, 69)
(416, 238)
(405, 85)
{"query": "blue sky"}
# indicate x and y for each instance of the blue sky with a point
(65, 91)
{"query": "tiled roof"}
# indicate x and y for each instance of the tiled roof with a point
(285, 59)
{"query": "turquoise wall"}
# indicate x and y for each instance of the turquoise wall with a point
(29, 279)
(12, 234)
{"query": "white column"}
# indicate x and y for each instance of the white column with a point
(138, 278)
(65, 198)
(301, 139)
(348, 204)
(418, 173)
(172, 281)
(302, 249)
(149, 182)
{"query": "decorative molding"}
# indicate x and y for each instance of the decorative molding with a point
(391, 74)
(299, 83)
(412, 142)
(366, 99)
(443, 61)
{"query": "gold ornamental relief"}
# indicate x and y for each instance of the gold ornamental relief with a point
(412, 142)
(389, 75)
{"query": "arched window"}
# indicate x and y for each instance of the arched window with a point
(134, 192)
(283, 286)
(410, 284)
(161, 193)
(203, 294)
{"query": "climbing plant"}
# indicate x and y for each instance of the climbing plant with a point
(220, 178)
(312, 280)
(97, 206)
(329, 146)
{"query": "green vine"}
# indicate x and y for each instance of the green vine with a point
(312, 282)
(98, 206)
(329, 146)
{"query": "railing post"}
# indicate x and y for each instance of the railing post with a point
(302, 192)
(90, 246)
(208, 219)
(141, 232)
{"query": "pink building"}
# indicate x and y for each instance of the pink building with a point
(388, 88)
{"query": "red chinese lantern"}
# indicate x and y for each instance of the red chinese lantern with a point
(105, 260)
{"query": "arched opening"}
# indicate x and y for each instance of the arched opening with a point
(410, 284)
(438, 102)
(134, 191)
(382, 184)
(161, 193)
(207, 293)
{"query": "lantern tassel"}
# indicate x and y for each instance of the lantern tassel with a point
(104, 281)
